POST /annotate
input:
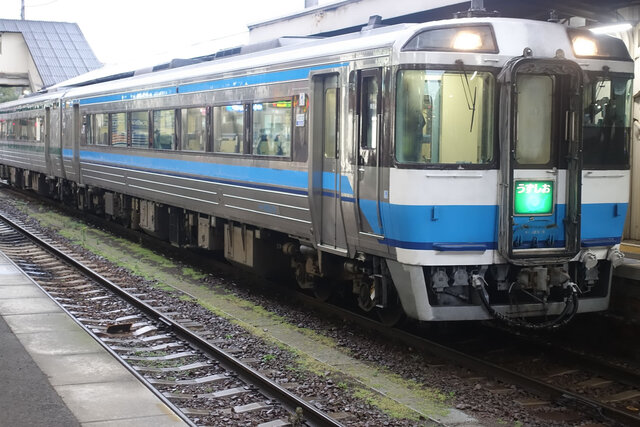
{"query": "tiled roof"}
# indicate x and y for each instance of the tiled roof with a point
(58, 49)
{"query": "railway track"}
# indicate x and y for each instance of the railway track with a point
(174, 356)
(566, 378)
(557, 376)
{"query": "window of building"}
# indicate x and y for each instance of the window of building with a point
(119, 129)
(272, 128)
(164, 130)
(228, 129)
(139, 129)
(101, 128)
(194, 129)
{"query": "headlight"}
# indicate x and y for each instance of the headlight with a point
(467, 40)
(583, 46)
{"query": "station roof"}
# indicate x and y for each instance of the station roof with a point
(59, 49)
(345, 16)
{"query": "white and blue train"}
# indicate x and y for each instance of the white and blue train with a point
(464, 169)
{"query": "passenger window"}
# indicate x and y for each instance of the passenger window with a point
(29, 129)
(194, 129)
(12, 126)
(24, 129)
(139, 129)
(101, 128)
(39, 128)
(228, 129)
(272, 128)
(119, 129)
(3, 128)
(164, 130)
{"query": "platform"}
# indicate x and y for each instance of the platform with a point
(54, 373)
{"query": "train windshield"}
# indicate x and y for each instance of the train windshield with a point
(444, 117)
(607, 123)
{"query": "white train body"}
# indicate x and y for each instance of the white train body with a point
(458, 170)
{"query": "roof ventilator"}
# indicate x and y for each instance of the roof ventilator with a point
(476, 10)
(375, 21)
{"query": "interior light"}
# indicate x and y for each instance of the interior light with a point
(583, 46)
(608, 29)
(467, 40)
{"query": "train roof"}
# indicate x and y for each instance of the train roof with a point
(304, 50)
(519, 31)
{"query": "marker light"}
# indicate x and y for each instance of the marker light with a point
(466, 40)
(475, 38)
(615, 256)
(589, 260)
(583, 46)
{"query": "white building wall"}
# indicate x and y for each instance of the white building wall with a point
(16, 65)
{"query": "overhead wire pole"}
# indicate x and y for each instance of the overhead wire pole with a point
(22, 10)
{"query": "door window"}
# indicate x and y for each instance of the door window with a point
(534, 119)
(369, 113)
(330, 122)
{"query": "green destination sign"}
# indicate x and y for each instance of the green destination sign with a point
(533, 198)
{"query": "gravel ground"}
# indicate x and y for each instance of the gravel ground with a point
(491, 402)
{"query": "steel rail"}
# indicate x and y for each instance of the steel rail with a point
(536, 386)
(115, 355)
(309, 412)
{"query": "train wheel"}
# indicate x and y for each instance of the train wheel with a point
(323, 289)
(367, 296)
(393, 313)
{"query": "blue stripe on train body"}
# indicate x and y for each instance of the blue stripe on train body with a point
(216, 171)
(473, 227)
(331, 186)
(130, 96)
(256, 79)
(405, 226)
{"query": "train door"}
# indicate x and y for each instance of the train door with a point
(541, 204)
(369, 117)
(326, 113)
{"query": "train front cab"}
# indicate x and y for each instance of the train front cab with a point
(562, 191)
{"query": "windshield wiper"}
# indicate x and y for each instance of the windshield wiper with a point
(471, 100)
